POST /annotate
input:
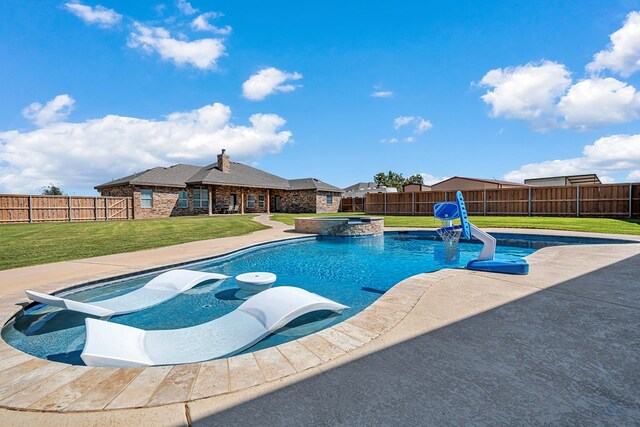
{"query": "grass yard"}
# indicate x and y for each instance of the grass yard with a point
(31, 244)
(597, 225)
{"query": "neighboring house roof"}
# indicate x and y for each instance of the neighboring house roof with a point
(362, 186)
(312, 184)
(492, 181)
(591, 178)
(172, 176)
(238, 175)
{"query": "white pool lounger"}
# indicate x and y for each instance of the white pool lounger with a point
(160, 289)
(114, 345)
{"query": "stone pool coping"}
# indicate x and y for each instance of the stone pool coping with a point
(32, 384)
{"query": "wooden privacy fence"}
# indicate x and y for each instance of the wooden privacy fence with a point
(604, 200)
(15, 208)
(352, 204)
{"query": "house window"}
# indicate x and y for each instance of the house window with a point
(329, 199)
(251, 201)
(200, 198)
(261, 201)
(183, 199)
(146, 198)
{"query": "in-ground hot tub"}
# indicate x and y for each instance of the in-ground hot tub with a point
(341, 226)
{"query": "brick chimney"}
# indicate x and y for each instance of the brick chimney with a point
(223, 162)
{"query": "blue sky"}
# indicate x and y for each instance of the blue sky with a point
(95, 90)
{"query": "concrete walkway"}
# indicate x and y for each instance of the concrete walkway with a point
(559, 346)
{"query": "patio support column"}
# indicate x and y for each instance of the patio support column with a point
(268, 201)
(210, 200)
(242, 202)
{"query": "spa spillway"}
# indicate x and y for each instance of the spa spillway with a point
(340, 226)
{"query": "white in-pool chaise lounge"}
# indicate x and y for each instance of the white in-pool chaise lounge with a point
(160, 289)
(114, 345)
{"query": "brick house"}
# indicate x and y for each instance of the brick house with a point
(192, 190)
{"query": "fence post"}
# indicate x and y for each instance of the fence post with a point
(484, 202)
(413, 204)
(95, 208)
(31, 208)
(385, 203)
(577, 200)
(126, 204)
(69, 203)
(529, 203)
(106, 209)
(445, 196)
(630, 200)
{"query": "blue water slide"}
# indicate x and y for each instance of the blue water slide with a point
(486, 260)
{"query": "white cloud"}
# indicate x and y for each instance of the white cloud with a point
(623, 53)
(409, 139)
(53, 111)
(186, 8)
(545, 96)
(201, 23)
(526, 92)
(268, 81)
(634, 176)
(401, 121)
(390, 140)
(598, 101)
(81, 155)
(615, 153)
(202, 53)
(98, 15)
(423, 125)
(382, 94)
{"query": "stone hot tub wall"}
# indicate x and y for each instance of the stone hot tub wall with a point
(339, 226)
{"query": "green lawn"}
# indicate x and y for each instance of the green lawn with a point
(598, 225)
(31, 244)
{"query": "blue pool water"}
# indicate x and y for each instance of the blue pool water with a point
(352, 271)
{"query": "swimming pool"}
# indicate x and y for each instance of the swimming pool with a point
(352, 271)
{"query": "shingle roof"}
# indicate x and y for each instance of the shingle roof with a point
(361, 186)
(173, 176)
(240, 175)
(312, 184)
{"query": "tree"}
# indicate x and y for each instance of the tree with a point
(52, 190)
(415, 179)
(392, 179)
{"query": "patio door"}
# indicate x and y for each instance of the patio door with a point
(277, 204)
(233, 200)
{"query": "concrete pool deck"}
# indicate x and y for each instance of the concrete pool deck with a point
(559, 346)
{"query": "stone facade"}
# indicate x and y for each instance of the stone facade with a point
(321, 202)
(294, 201)
(222, 197)
(165, 200)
